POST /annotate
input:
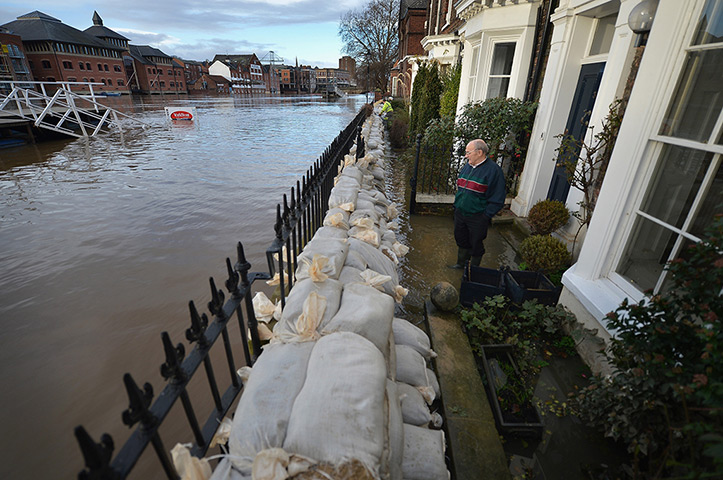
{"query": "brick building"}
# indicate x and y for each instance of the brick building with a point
(153, 72)
(298, 79)
(13, 64)
(349, 64)
(60, 53)
(192, 70)
(272, 79)
(411, 30)
(245, 72)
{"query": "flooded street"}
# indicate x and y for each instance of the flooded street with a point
(105, 240)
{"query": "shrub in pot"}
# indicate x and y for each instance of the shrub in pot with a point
(545, 253)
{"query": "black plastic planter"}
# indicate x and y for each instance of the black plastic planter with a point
(521, 286)
(479, 283)
(525, 423)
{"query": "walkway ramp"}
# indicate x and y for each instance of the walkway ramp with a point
(74, 114)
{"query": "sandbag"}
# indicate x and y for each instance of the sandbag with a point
(433, 382)
(329, 289)
(336, 217)
(368, 235)
(266, 403)
(395, 433)
(414, 409)
(334, 249)
(340, 233)
(346, 373)
(353, 172)
(424, 454)
(356, 219)
(375, 259)
(405, 333)
(355, 259)
(412, 369)
(350, 275)
(225, 470)
(343, 197)
(366, 311)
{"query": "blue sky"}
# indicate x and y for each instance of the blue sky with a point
(197, 30)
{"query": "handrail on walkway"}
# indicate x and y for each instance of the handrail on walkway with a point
(294, 228)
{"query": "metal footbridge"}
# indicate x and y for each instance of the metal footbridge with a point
(62, 110)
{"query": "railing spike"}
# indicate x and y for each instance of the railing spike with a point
(278, 225)
(97, 456)
(171, 370)
(198, 325)
(232, 280)
(139, 403)
(215, 306)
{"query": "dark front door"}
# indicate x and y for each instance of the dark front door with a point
(582, 103)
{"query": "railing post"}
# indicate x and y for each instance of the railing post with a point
(413, 180)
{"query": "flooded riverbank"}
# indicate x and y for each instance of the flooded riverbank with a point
(105, 240)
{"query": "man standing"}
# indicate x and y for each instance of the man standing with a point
(480, 195)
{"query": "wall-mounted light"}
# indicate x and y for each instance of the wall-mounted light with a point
(641, 18)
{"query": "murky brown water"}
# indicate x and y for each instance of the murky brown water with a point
(104, 241)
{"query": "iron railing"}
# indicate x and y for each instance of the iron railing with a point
(295, 225)
(435, 171)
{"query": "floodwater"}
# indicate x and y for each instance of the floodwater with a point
(104, 241)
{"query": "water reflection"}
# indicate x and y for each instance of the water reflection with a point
(105, 240)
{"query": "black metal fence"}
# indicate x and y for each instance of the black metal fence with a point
(296, 223)
(435, 171)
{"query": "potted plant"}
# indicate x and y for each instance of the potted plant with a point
(479, 283)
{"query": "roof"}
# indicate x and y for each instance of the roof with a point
(98, 30)
(37, 26)
(217, 78)
(406, 5)
(243, 59)
(145, 51)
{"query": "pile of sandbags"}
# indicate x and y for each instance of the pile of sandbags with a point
(343, 389)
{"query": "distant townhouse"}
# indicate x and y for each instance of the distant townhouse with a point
(60, 53)
(192, 70)
(155, 72)
(412, 17)
(272, 79)
(326, 77)
(298, 79)
(13, 63)
(207, 83)
(245, 72)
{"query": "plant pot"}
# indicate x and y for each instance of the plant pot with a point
(479, 283)
(521, 286)
(526, 421)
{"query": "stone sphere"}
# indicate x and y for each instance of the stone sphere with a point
(444, 296)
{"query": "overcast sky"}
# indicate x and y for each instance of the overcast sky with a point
(200, 29)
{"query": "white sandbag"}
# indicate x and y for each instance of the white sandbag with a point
(264, 309)
(350, 275)
(356, 260)
(334, 249)
(433, 382)
(388, 236)
(346, 373)
(343, 182)
(188, 466)
(368, 235)
(359, 215)
(366, 311)
(329, 289)
(375, 259)
(266, 402)
(332, 232)
(343, 197)
(424, 454)
(395, 433)
(412, 369)
(405, 333)
(378, 172)
(336, 217)
(225, 470)
(387, 250)
(414, 409)
(353, 172)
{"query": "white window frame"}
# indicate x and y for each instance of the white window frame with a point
(488, 69)
(651, 157)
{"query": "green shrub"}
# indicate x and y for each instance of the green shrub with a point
(546, 216)
(426, 94)
(398, 133)
(545, 253)
(448, 102)
(664, 399)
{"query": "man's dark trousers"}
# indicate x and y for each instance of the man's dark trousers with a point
(470, 232)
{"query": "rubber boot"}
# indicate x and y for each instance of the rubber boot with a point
(475, 261)
(463, 255)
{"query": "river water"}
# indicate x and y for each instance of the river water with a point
(104, 241)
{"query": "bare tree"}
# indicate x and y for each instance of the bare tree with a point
(370, 36)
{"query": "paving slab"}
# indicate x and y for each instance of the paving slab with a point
(477, 452)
